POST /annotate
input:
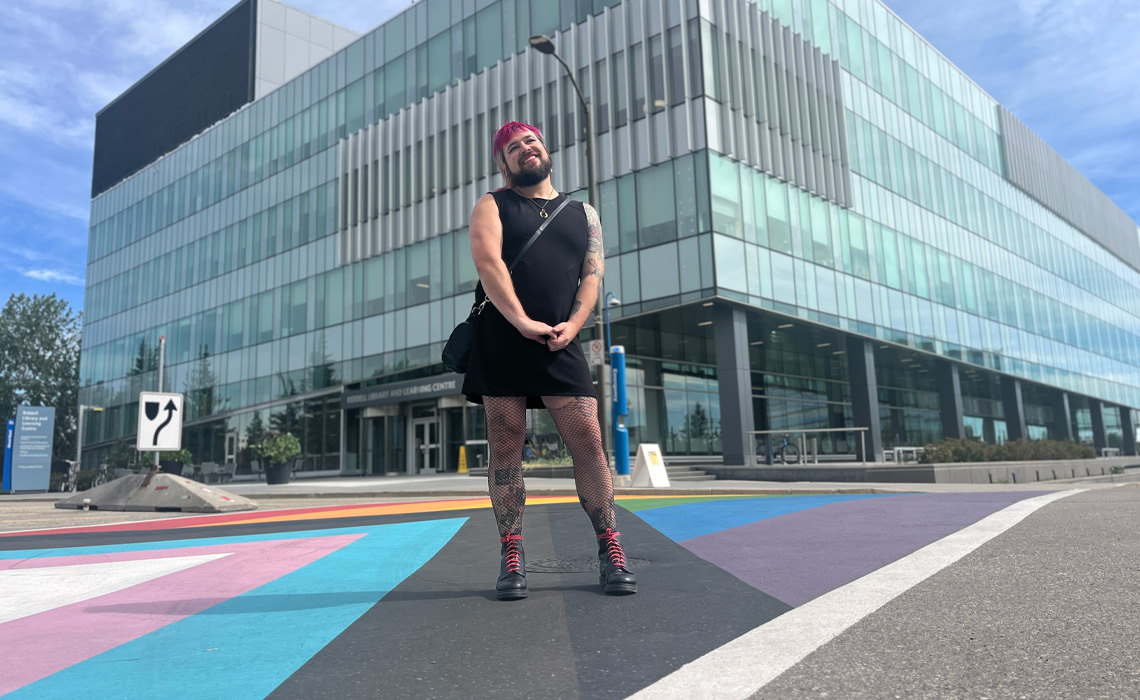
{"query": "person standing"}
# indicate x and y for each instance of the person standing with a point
(526, 354)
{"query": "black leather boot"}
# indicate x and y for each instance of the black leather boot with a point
(512, 570)
(614, 575)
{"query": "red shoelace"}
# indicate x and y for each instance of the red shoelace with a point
(613, 549)
(513, 555)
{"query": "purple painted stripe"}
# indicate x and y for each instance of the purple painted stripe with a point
(802, 555)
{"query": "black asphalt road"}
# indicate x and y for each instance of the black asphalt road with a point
(1050, 609)
(441, 633)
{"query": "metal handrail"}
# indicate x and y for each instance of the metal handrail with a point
(803, 436)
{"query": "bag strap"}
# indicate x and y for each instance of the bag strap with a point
(538, 233)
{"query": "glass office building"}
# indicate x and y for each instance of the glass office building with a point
(813, 222)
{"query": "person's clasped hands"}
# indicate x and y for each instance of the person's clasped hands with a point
(562, 335)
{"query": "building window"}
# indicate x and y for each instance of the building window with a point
(655, 205)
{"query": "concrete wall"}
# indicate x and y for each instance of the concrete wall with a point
(977, 473)
(290, 42)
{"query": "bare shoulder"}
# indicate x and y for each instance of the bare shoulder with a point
(487, 202)
(486, 210)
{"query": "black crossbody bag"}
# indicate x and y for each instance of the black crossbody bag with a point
(457, 351)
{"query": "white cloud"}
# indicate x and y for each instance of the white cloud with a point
(29, 254)
(22, 107)
(54, 276)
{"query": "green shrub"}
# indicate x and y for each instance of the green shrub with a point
(954, 450)
(277, 449)
(182, 455)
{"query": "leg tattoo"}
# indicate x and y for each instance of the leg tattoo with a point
(506, 431)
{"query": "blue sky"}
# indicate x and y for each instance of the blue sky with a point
(1067, 68)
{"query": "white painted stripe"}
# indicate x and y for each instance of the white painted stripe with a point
(749, 662)
(31, 591)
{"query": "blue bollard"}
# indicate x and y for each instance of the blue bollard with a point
(620, 410)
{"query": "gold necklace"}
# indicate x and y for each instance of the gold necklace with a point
(541, 209)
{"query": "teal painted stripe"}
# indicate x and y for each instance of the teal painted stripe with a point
(688, 520)
(245, 647)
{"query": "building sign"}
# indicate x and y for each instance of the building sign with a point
(398, 392)
(9, 436)
(31, 448)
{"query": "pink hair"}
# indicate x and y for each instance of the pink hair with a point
(505, 133)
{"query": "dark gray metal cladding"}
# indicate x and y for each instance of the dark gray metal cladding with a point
(203, 82)
(1036, 169)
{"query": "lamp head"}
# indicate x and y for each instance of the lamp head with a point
(542, 43)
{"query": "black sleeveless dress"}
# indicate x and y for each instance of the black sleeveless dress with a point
(503, 362)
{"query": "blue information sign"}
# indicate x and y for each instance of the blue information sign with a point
(9, 436)
(31, 448)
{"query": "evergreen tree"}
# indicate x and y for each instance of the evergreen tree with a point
(201, 384)
(145, 360)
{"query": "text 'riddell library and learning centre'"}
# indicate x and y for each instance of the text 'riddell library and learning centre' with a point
(813, 221)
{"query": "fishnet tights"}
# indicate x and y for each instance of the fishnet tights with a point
(577, 422)
(506, 432)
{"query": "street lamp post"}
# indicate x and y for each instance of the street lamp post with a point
(543, 44)
(79, 436)
(611, 300)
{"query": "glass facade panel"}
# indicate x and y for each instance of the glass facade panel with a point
(656, 217)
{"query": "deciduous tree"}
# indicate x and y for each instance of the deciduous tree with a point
(39, 362)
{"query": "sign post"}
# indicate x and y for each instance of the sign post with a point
(160, 422)
(10, 435)
(31, 448)
(161, 360)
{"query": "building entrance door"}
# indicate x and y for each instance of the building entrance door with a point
(374, 444)
(382, 448)
(426, 447)
(231, 447)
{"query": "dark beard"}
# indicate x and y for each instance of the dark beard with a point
(528, 177)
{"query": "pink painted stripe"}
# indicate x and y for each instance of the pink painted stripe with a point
(105, 557)
(40, 645)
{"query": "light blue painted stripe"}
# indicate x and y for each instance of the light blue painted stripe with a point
(176, 544)
(245, 647)
(688, 520)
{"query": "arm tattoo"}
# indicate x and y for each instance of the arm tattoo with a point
(594, 262)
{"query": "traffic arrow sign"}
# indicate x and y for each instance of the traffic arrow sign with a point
(160, 422)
